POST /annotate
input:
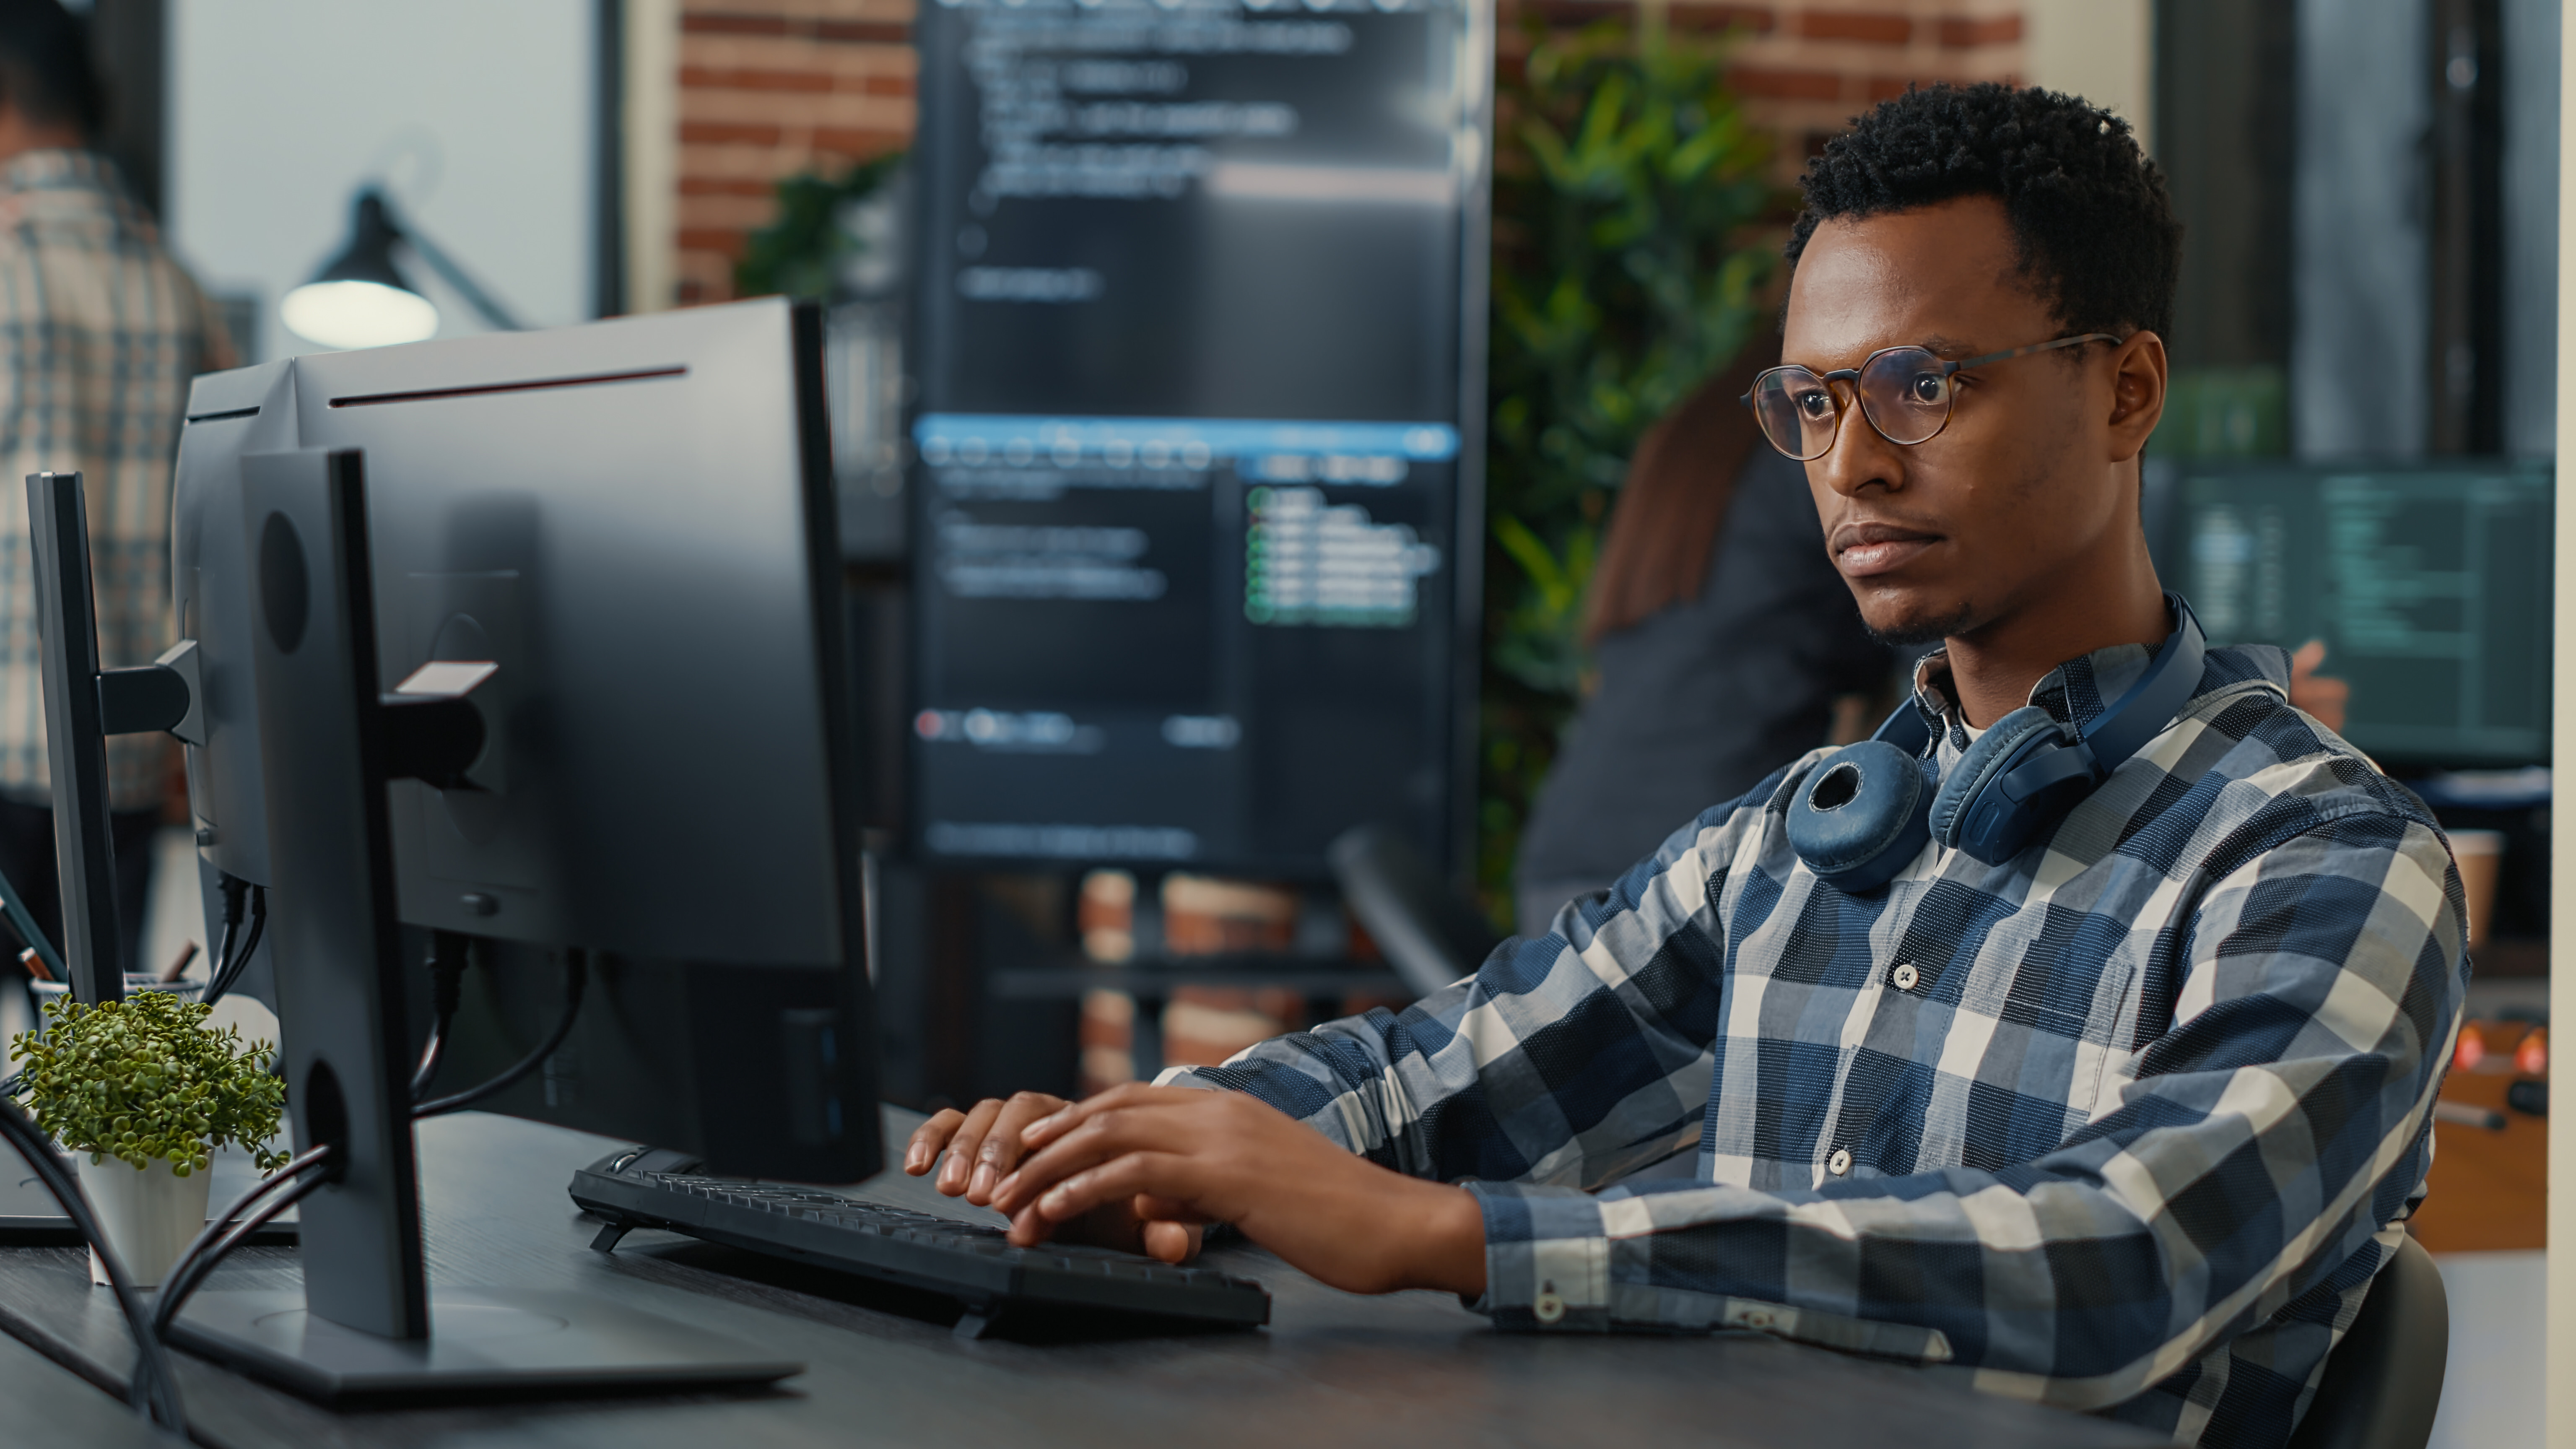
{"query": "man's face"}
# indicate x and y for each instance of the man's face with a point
(1947, 535)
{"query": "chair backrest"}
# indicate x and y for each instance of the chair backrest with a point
(2384, 1380)
(1428, 933)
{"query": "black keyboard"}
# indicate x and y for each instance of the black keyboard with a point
(971, 1262)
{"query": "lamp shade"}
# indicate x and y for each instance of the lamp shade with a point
(360, 299)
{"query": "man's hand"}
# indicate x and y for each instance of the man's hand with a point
(984, 1145)
(2322, 697)
(1175, 1155)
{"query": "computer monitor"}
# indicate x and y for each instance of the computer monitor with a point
(2430, 584)
(1199, 397)
(632, 522)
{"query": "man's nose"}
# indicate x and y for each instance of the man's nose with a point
(1860, 458)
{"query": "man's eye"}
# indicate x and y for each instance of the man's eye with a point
(1928, 387)
(1815, 403)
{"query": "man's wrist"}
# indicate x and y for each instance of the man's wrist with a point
(1451, 1251)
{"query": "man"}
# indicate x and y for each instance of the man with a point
(2124, 1124)
(99, 334)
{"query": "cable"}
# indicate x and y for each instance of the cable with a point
(155, 1386)
(232, 970)
(233, 887)
(446, 988)
(576, 964)
(285, 1187)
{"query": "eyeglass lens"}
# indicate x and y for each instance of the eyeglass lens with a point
(1903, 391)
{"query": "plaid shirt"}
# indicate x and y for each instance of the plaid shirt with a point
(99, 334)
(2132, 1134)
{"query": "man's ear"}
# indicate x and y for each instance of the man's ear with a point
(2137, 393)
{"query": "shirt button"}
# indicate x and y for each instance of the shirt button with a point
(1840, 1163)
(1548, 1307)
(1904, 976)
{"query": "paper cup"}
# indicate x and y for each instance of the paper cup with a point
(2480, 854)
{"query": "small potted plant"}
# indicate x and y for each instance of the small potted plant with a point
(147, 1091)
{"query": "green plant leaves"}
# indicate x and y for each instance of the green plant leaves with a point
(1630, 193)
(145, 1079)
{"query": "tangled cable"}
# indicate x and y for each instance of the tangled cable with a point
(154, 1390)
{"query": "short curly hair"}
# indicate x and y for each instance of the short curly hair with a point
(2092, 224)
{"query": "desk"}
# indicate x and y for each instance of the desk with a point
(1333, 1369)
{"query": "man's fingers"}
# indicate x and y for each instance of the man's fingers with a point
(1001, 1149)
(962, 1147)
(2309, 656)
(1152, 1209)
(1127, 1095)
(1131, 1174)
(1101, 1136)
(929, 1138)
(1173, 1242)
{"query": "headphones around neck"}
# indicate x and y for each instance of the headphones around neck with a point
(1864, 812)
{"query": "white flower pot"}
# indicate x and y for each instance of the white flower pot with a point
(150, 1214)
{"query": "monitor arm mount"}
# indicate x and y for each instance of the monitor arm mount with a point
(434, 730)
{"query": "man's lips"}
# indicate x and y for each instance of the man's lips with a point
(1863, 549)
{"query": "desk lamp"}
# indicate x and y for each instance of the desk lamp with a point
(361, 299)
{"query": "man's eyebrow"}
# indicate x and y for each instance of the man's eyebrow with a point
(1941, 346)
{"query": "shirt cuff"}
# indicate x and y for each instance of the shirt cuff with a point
(1547, 1258)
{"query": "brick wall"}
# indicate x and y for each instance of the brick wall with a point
(768, 88)
(1806, 70)
(772, 87)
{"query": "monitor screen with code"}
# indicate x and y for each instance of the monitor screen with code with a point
(1197, 389)
(2430, 585)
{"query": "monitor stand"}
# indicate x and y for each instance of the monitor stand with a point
(367, 1323)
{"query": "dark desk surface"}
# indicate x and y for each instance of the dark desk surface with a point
(1332, 1369)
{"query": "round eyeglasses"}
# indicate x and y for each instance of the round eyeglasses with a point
(1905, 392)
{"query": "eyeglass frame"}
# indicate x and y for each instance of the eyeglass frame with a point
(1852, 375)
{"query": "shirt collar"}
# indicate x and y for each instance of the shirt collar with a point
(51, 167)
(2076, 692)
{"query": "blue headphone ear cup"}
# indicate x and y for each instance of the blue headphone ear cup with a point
(1859, 815)
(1955, 809)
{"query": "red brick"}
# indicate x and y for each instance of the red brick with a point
(860, 32)
(1785, 85)
(721, 133)
(727, 242)
(1756, 19)
(845, 141)
(710, 78)
(1889, 87)
(888, 85)
(1995, 30)
(704, 24)
(723, 186)
(1722, 19)
(863, 32)
(1868, 27)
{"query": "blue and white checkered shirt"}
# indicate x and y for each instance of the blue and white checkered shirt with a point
(2125, 1125)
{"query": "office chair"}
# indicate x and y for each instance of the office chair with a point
(1428, 933)
(2384, 1380)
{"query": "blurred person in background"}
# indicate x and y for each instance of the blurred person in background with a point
(1724, 641)
(100, 332)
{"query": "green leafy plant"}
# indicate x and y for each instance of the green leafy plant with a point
(145, 1078)
(1630, 264)
(801, 254)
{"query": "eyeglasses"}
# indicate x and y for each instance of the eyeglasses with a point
(1905, 392)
